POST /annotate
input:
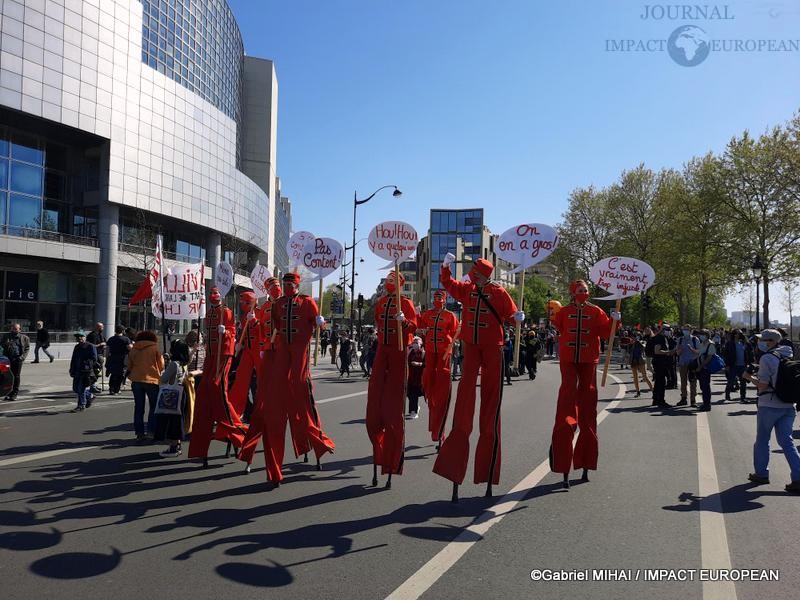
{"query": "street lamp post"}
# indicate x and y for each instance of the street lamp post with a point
(758, 268)
(356, 203)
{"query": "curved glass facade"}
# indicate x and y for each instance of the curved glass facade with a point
(198, 44)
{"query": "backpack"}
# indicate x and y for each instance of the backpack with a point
(787, 383)
(650, 347)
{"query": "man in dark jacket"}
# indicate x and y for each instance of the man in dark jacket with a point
(16, 347)
(42, 342)
(118, 347)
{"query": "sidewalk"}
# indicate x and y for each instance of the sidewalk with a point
(47, 380)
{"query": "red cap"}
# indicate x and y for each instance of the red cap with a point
(440, 294)
(484, 267)
(292, 278)
(248, 296)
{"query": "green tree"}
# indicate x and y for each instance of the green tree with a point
(762, 191)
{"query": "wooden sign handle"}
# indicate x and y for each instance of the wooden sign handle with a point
(399, 306)
(610, 345)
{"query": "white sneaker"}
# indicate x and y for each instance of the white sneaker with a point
(413, 415)
(170, 452)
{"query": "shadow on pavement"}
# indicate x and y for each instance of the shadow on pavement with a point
(739, 498)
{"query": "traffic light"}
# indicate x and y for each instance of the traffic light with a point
(360, 302)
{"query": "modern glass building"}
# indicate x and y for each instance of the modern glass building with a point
(121, 119)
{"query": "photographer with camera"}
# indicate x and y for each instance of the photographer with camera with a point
(773, 412)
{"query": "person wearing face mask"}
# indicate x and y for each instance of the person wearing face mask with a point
(687, 351)
(387, 383)
(662, 362)
(261, 412)
(440, 326)
(289, 391)
(705, 353)
(16, 346)
(487, 307)
(212, 404)
(737, 354)
(774, 413)
(248, 349)
(581, 325)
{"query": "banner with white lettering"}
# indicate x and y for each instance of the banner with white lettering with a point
(184, 293)
(622, 277)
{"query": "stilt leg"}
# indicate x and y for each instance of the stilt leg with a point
(389, 482)
(454, 497)
(374, 475)
(228, 450)
(319, 465)
(205, 462)
(305, 457)
(565, 485)
(585, 476)
(488, 493)
(247, 468)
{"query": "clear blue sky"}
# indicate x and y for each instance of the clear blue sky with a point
(507, 105)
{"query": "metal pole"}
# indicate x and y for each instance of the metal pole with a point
(758, 301)
(353, 266)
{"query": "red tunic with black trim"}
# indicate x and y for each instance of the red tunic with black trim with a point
(386, 320)
(581, 328)
(264, 316)
(250, 338)
(478, 325)
(442, 326)
(216, 315)
(295, 318)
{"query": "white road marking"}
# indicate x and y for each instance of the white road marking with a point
(432, 571)
(40, 455)
(49, 407)
(353, 395)
(714, 550)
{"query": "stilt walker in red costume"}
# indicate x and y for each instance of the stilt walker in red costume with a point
(264, 378)
(247, 348)
(212, 404)
(386, 394)
(487, 307)
(581, 325)
(289, 393)
(440, 327)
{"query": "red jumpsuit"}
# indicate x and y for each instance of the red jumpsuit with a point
(263, 377)
(386, 393)
(436, 383)
(482, 337)
(289, 394)
(212, 403)
(580, 328)
(249, 359)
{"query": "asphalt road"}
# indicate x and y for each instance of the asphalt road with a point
(85, 513)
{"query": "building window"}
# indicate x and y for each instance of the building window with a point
(20, 312)
(25, 212)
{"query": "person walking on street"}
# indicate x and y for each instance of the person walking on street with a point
(345, 349)
(334, 345)
(324, 340)
(146, 364)
(81, 369)
(98, 339)
(687, 348)
(638, 366)
(706, 353)
(662, 362)
(16, 346)
(118, 347)
(774, 412)
(533, 351)
(416, 367)
(42, 342)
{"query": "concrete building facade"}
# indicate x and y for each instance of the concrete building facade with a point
(120, 119)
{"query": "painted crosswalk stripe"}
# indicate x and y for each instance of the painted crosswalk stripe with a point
(436, 567)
